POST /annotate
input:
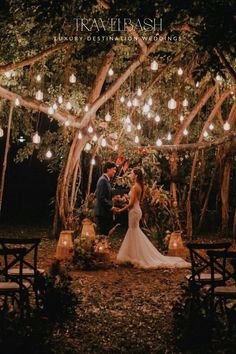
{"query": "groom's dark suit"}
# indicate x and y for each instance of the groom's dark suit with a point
(103, 206)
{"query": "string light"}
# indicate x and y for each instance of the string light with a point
(139, 91)
(108, 117)
(72, 79)
(54, 106)
(95, 138)
(146, 108)
(48, 154)
(80, 135)
(197, 84)
(149, 115)
(86, 108)
(17, 102)
(67, 123)
(129, 104)
(185, 132)
(129, 128)
(211, 126)
(135, 102)
(122, 99)
(93, 162)
(157, 118)
(181, 118)
(150, 101)
(169, 137)
(154, 65)
(110, 72)
(68, 106)
(39, 95)
(8, 74)
(218, 77)
(158, 142)
(87, 147)
(136, 139)
(185, 103)
(103, 142)
(21, 139)
(116, 147)
(90, 129)
(1, 132)
(226, 126)
(38, 78)
(205, 134)
(36, 138)
(139, 126)
(60, 99)
(180, 71)
(172, 104)
(128, 120)
(50, 110)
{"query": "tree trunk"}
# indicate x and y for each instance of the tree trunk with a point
(225, 197)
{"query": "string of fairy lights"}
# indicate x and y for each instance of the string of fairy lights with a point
(135, 101)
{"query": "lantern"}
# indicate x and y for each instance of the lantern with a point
(176, 247)
(88, 229)
(172, 104)
(65, 245)
(154, 65)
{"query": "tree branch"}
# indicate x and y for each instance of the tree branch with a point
(225, 62)
(139, 40)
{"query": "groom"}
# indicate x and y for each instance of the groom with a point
(104, 208)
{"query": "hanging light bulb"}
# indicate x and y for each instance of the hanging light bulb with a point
(110, 72)
(129, 128)
(39, 95)
(146, 108)
(36, 138)
(136, 139)
(1, 132)
(122, 99)
(150, 101)
(211, 126)
(157, 118)
(185, 103)
(139, 126)
(95, 138)
(181, 118)
(180, 71)
(8, 74)
(90, 129)
(103, 142)
(38, 78)
(139, 92)
(129, 103)
(72, 79)
(86, 108)
(93, 162)
(127, 120)
(169, 137)
(80, 135)
(205, 134)
(54, 106)
(135, 102)
(185, 132)
(60, 99)
(116, 147)
(158, 142)
(218, 77)
(197, 84)
(108, 117)
(21, 139)
(172, 103)
(68, 106)
(154, 65)
(226, 126)
(17, 102)
(149, 115)
(87, 147)
(48, 154)
(67, 123)
(50, 110)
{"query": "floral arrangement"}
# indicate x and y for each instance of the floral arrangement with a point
(90, 252)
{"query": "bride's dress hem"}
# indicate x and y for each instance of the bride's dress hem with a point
(139, 265)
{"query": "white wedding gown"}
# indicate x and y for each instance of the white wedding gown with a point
(139, 251)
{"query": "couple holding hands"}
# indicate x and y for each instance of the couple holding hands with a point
(136, 247)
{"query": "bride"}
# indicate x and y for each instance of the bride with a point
(136, 247)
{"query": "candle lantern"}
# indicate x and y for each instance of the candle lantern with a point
(176, 246)
(88, 229)
(65, 245)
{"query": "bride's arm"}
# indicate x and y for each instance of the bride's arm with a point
(132, 199)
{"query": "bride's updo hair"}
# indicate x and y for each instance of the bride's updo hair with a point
(139, 178)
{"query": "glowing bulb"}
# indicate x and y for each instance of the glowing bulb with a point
(80, 135)
(185, 103)
(157, 118)
(128, 120)
(67, 123)
(211, 126)
(60, 99)
(146, 108)
(158, 142)
(68, 106)
(185, 132)
(149, 101)
(90, 129)
(154, 65)
(50, 110)
(139, 126)
(86, 108)
(129, 104)
(54, 106)
(172, 104)
(169, 137)
(110, 72)
(38, 78)
(72, 79)
(149, 115)
(36, 138)
(8, 74)
(180, 71)
(103, 142)
(122, 99)
(21, 139)
(1, 132)
(108, 117)
(139, 91)
(87, 147)
(197, 84)
(93, 162)
(205, 134)
(226, 126)
(136, 139)
(181, 118)
(129, 128)
(39, 95)
(95, 138)
(17, 102)
(135, 102)
(218, 77)
(48, 154)
(116, 147)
